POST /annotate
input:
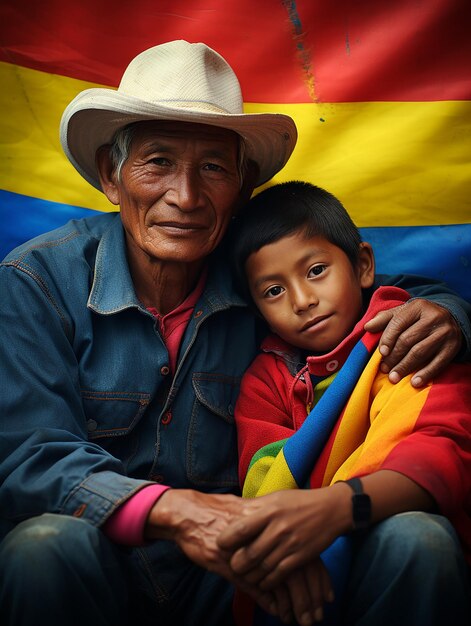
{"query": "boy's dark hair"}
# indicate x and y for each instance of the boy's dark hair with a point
(283, 210)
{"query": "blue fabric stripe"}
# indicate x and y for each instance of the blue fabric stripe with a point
(24, 217)
(441, 252)
(305, 445)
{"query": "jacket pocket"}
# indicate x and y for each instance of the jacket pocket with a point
(111, 421)
(113, 414)
(212, 438)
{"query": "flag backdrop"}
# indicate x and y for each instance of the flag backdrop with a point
(380, 92)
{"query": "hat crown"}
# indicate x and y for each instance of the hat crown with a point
(183, 74)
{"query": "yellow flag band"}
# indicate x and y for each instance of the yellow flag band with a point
(377, 157)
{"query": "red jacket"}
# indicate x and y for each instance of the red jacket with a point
(424, 433)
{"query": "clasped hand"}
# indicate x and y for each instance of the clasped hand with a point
(267, 547)
(276, 544)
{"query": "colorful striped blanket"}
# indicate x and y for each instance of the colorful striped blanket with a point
(287, 464)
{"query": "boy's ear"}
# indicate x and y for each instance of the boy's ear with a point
(106, 174)
(366, 265)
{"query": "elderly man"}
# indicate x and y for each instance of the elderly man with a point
(123, 347)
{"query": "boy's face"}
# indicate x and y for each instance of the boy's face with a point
(308, 291)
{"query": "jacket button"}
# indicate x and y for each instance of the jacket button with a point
(91, 426)
(165, 370)
(167, 418)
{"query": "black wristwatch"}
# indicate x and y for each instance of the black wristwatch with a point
(361, 504)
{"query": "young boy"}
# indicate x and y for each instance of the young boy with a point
(300, 259)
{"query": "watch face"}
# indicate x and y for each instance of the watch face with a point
(361, 504)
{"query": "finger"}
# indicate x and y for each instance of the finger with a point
(284, 607)
(417, 346)
(254, 576)
(414, 322)
(425, 360)
(265, 551)
(379, 321)
(319, 588)
(276, 572)
(404, 325)
(306, 602)
(237, 534)
(327, 590)
(277, 565)
(428, 373)
(267, 601)
(408, 356)
(262, 564)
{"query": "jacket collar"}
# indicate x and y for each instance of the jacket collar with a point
(220, 292)
(113, 290)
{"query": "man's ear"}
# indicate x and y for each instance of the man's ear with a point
(106, 174)
(366, 265)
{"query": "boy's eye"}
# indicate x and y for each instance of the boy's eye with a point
(317, 270)
(273, 291)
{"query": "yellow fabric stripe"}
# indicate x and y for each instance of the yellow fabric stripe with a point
(392, 164)
(353, 452)
(31, 158)
(265, 473)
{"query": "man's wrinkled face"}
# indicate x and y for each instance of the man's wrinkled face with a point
(178, 189)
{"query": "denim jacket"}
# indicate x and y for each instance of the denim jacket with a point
(89, 412)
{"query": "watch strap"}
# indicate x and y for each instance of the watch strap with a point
(361, 504)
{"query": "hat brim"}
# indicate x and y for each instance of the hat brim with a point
(94, 116)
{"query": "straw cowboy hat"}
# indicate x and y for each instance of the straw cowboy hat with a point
(177, 81)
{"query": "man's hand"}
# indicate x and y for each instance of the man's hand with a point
(194, 520)
(284, 531)
(420, 338)
(268, 547)
(276, 545)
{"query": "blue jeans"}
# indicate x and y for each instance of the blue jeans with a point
(407, 570)
(59, 570)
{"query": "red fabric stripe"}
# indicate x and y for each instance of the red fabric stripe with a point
(286, 51)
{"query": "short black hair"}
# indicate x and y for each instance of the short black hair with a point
(285, 209)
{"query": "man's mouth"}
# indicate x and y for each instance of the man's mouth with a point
(180, 226)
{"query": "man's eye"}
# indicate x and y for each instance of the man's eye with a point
(213, 167)
(273, 291)
(317, 270)
(161, 161)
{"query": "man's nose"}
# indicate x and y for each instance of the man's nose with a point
(186, 193)
(303, 297)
